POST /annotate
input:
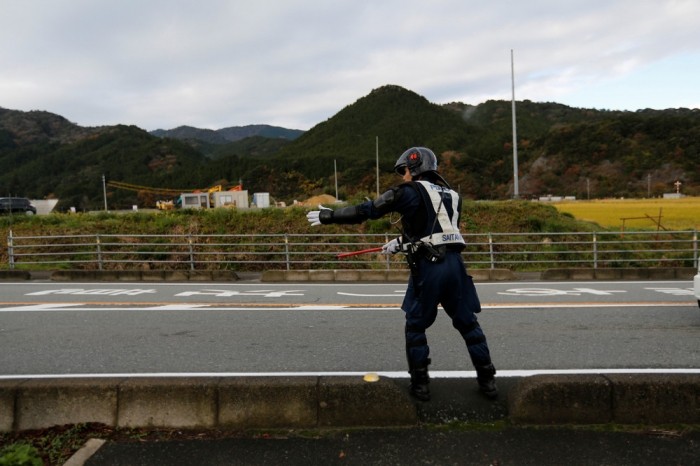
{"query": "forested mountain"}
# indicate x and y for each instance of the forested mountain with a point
(253, 140)
(231, 134)
(561, 151)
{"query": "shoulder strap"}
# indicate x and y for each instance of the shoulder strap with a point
(426, 202)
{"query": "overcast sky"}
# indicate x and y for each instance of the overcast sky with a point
(295, 63)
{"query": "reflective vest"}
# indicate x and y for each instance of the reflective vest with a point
(442, 221)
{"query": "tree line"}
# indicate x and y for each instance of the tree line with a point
(561, 151)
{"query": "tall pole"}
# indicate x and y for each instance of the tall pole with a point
(104, 190)
(335, 172)
(516, 193)
(588, 188)
(377, 154)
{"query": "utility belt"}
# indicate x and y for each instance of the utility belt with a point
(436, 254)
(429, 252)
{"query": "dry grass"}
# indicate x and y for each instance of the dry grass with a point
(638, 214)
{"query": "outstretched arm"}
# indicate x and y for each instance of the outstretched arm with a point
(358, 213)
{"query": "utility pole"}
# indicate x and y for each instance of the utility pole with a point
(377, 155)
(104, 190)
(516, 193)
(588, 188)
(335, 172)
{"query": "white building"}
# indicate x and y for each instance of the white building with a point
(237, 199)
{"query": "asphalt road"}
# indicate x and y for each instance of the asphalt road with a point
(251, 327)
(511, 446)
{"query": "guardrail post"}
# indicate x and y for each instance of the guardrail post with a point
(388, 256)
(695, 247)
(595, 250)
(10, 251)
(99, 252)
(286, 250)
(191, 248)
(491, 255)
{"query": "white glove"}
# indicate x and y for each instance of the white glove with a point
(392, 247)
(313, 215)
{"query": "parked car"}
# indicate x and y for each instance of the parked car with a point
(696, 284)
(16, 205)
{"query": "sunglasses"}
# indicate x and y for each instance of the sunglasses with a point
(401, 170)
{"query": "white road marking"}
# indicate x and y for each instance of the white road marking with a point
(230, 293)
(90, 292)
(41, 307)
(319, 307)
(174, 307)
(75, 307)
(554, 292)
(673, 291)
(387, 374)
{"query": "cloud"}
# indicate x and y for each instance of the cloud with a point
(295, 63)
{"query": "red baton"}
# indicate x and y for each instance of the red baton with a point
(356, 253)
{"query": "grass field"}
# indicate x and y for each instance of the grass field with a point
(638, 214)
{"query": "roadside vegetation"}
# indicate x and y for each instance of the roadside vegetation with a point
(477, 217)
(517, 218)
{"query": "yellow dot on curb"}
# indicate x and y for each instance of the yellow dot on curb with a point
(371, 377)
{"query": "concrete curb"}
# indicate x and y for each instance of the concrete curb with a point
(81, 456)
(341, 401)
(208, 402)
(600, 399)
(353, 275)
(360, 275)
(15, 275)
(652, 273)
(144, 275)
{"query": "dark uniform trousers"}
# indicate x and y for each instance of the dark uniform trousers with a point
(446, 283)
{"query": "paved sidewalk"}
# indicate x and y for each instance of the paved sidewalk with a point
(542, 446)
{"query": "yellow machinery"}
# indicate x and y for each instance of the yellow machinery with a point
(165, 205)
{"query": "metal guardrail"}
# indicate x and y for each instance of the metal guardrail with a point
(517, 251)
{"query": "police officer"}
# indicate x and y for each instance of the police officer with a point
(430, 238)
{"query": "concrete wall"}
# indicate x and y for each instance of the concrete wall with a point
(354, 275)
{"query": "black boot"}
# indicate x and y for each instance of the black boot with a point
(420, 381)
(486, 380)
